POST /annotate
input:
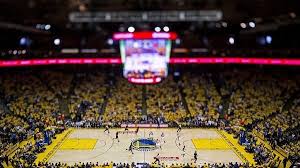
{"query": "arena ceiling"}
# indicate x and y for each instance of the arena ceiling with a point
(56, 11)
(21, 17)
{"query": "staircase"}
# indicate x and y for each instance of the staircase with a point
(3, 103)
(62, 99)
(182, 96)
(3, 106)
(105, 99)
(286, 107)
(144, 101)
(288, 104)
(225, 99)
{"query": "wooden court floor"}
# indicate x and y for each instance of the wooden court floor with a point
(107, 149)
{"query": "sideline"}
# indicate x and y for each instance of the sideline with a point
(275, 151)
(53, 147)
(237, 148)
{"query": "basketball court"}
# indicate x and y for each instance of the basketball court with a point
(95, 145)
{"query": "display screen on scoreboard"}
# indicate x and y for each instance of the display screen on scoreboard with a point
(145, 60)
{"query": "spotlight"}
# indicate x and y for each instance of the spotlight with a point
(23, 41)
(224, 24)
(157, 29)
(131, 29)
(56, 41)
(47, 27)
(38, 26)
(293, 15)
(243, 25)
(166, 29)
(110, 41)
(252, 24)
(177, 41)
(176, 73)
(268, 39)
(231, 40)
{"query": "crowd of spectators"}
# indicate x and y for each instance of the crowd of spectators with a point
(134, 165)
(283, 130)
(124, 103)
(203, 99)
(250, 94)
(32, 110)
(164, 102)
(35, 103)
(87, 97)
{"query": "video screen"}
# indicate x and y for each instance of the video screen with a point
(145, 61)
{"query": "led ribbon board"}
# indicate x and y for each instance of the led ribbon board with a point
(145, 55)
(184, 60)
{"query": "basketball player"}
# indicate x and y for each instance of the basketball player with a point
(158, 143)
(106, 129)
(195, 157)
(157, 159)
(117, 136)
(126, 129)
(162, 137)
(178, 137)
(150, 133)
(183, 154)
(137, 130)
(179, 128)
(130, 148)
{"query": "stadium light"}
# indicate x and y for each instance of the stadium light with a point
(57, 41)
(166, 29)
(269, 39)
(224, 24)
(131, 29)
(110, 41)
(293, 15)
(23, 41)
(231, 40)
(176, 73)
(243, 25)
(47, 27)
(252, 24)
(157, 29)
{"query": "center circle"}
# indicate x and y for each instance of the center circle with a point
(144, 144)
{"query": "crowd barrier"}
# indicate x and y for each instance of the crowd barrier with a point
(145, 125)
(277, 148)
(199, 60)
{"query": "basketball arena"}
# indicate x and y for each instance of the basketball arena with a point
(149, 83)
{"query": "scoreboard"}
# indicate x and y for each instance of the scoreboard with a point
(145, 56)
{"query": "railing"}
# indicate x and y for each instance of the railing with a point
(277, 148)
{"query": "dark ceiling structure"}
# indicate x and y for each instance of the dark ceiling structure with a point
(248, 22)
